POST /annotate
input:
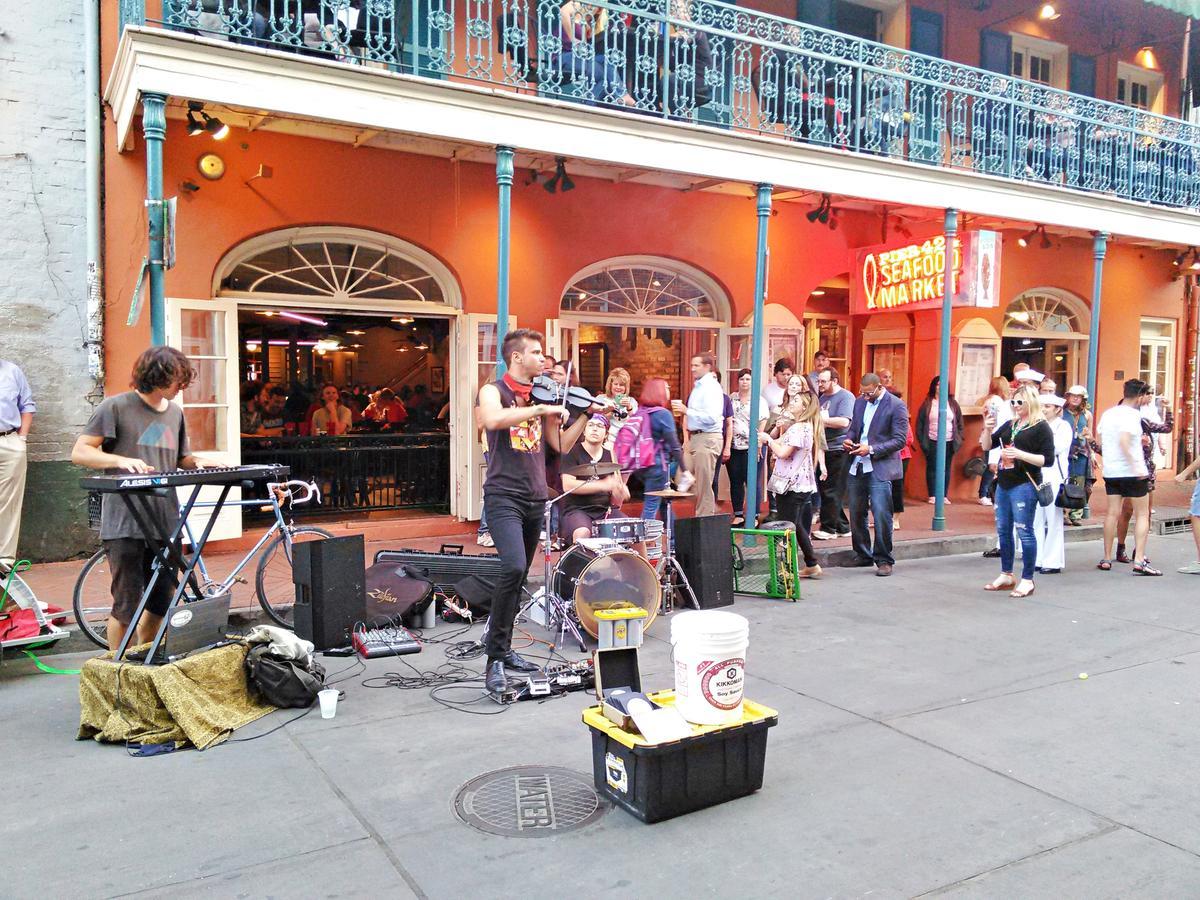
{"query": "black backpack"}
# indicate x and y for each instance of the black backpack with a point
(285, 683)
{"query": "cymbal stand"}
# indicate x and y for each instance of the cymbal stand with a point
(557, 608)
(670, 569)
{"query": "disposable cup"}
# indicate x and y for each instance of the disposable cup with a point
(329, 699)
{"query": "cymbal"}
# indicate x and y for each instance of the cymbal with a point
(593, 470)
(669, 494)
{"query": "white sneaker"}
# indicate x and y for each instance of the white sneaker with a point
(823, 536)
(485, 540)
(1192, 568)
(985, 501)
(684, 482)
(931, 501)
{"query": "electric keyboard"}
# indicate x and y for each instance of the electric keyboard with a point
(133, 481)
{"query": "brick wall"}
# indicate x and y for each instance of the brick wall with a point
(43, 265)
(652, 357)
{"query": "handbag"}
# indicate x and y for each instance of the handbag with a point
(1073, 492)
(1045, 493)
(285, 683)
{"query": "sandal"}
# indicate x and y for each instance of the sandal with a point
(1022, 592)
(1002, 583)
(738, 522)
(1104, 565)
(1144, 568)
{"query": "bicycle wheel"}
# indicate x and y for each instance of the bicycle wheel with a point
(273, 581)
(93, 599)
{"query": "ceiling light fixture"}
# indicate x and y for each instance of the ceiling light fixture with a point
(817, 293)
(296, 317)
(214, 126)
(560, 179)
(1146, 57)
(1023, 240)
(194, 125)
(1048, 12)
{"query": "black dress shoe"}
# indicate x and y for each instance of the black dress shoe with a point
(994, 553)
(519, 663)
(1050, 571)
(861, 562)
(494, 681)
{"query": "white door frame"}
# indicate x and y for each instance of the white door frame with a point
(466, 500)
(229, 521)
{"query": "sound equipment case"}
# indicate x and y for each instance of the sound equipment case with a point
(660, 781)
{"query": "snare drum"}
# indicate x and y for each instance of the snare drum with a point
(600, 574)
(623, 531)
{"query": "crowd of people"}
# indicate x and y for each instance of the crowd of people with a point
(272, 410)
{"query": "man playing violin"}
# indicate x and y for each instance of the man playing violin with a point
(591, 499)
(518, 432)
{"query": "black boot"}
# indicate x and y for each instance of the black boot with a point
(494, 681)
(519, 663)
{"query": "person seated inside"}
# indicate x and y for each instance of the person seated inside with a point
(387, 410)
(272, 415)
(589, 500)
(331, 417)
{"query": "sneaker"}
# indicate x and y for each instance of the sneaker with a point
(1192, 568)
(485, 540)
(931, 501)
(985, 501)
(895, 524)
(823, 536)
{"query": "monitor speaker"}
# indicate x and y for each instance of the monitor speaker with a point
(330, 578)
(704, 550)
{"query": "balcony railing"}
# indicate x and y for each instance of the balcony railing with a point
(707, 62)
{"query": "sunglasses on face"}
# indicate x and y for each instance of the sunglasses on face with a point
(1016, 404)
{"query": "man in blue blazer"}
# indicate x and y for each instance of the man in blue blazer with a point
(878, 431)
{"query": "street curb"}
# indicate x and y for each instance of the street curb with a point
(925, 548)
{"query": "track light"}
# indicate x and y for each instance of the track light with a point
(561, 178)
(821, 213)
(1045, 237)
(194, 125)
(1023, 240)
(214, 126)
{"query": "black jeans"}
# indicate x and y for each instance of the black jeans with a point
(739, 462)
(929, 448)
(798, 508)
(514, 524)
(833, 493)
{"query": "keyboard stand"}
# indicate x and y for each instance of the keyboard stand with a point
(169, 558)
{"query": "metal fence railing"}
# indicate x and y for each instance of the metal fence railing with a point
(362, 472)
(708, 62)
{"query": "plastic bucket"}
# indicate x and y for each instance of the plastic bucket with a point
(709, 649)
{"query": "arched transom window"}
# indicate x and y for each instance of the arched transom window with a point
(1045, 313)
(337, 266)
(642, 288)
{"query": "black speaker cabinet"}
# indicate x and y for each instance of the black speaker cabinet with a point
(705, 551)
(330, 577)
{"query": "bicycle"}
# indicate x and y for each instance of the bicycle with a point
(92, 599)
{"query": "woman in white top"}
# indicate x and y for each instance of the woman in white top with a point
(1048, 520)
(995, 403)
(616, 389)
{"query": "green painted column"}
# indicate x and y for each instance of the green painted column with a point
(154, 130)
(756, 357)
(939, 490)
(1099, 250)
(504, 181)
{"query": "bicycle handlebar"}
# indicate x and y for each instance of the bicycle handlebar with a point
(287, 491)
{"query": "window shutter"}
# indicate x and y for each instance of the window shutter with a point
(926, 34)
(815, 12)
(1082, 78)
(995, 52)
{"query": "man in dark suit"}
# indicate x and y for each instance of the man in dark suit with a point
(878, 431)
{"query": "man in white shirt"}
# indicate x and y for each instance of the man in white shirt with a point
(16, 418)
(705, 416)
(1126, 474)
(773, 391)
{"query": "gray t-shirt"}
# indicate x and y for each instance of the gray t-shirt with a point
(131, 428)
(839, 403)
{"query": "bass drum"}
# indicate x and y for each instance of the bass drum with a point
(598, 574)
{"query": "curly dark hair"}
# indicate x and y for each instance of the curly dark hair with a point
(160, 368)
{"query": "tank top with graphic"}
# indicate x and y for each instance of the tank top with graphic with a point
(516, 456)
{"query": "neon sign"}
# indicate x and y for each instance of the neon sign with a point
(914, 276)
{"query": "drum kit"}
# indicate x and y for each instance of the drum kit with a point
(606, 572)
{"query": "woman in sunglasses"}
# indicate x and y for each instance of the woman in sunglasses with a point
(1026, 446)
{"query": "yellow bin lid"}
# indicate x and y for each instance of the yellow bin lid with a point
(594, 717)
(621, 612)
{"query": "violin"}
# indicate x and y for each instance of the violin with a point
(547, 390)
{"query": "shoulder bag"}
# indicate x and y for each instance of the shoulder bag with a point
(1072, 493)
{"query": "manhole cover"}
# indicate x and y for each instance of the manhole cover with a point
(529, 801)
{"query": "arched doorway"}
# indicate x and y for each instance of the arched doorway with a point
(1045, 328)
(302, 306)
(647, 314)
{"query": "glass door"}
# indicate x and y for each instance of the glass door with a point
(206, 331)
(562, 342)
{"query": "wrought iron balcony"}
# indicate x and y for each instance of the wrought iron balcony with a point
(718, 65)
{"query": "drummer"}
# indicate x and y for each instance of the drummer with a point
(589, 500)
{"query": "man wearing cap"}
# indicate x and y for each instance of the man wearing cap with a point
(1126, 474)
(1079, 417)
(1048, 520)
(820, 364)
(590, 499)
(16, 418)
(1025, 372)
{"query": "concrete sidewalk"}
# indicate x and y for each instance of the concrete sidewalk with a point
(932, 738)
